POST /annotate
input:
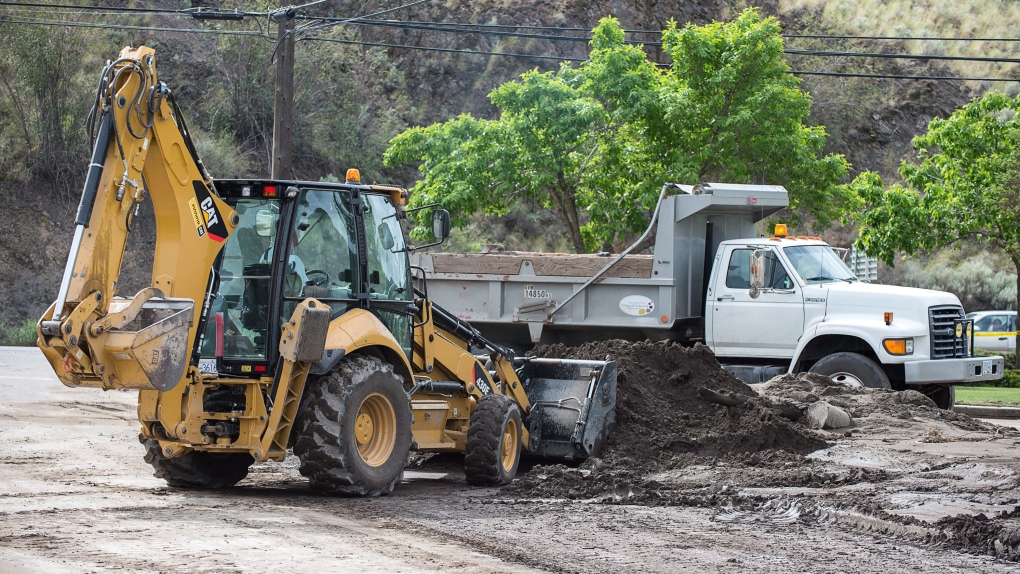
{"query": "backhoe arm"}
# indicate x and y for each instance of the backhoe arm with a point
(90, 336)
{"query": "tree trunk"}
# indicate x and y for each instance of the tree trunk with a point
(563, 198)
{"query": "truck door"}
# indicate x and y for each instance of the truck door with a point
(768, 326)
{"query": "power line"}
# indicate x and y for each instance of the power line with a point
(898, 77)
(565, 59)
(570, 29)
(826, 53)
(128, 10)
(902, 56)
(430, 28)
(447, 50)
(398, 23)
(915, 38)
(120, 27)
(346, 20)
(539, 57)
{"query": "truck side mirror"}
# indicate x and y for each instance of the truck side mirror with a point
(440, 224)
(265, 222)
(758, 258)
(386, 236)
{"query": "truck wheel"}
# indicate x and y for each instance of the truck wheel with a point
(493, 442)
(853, 370)
(943, 395)
(353, 432)
(197, 469)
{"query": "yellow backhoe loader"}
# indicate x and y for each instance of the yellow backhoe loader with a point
(282, 314)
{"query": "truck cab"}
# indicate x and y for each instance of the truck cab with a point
(806, 307)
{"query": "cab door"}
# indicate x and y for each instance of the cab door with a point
(390, 293)
(767, 326)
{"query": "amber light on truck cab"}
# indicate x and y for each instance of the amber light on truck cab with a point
(899, 346)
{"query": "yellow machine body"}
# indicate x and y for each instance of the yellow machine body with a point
(153, 341)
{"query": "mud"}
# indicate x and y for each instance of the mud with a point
(76, 496)
(672, 447)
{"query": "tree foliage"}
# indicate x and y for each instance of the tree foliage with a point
(596, 142)
(966, 184)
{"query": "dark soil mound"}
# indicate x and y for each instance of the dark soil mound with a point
(663, 421)
(660, 412)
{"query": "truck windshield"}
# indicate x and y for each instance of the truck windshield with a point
(818, 264)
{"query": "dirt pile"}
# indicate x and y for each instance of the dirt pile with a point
(664, 422)
(661, 413)
(881, 408)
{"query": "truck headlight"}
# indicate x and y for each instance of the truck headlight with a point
(899, 346)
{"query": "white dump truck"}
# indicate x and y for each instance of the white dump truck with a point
(764, 305)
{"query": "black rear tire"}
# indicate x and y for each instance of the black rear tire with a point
(197, 469)
(362, 402)
(852, 369)
(943, 395)
(493, 450)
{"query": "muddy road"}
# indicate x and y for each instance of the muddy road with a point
(75, 496)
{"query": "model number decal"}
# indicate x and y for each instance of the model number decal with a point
(814, 300)
(531, 293)
(196, 215)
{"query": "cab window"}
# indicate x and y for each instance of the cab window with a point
(994, 324)
(239, 318)
(738, 272)
(389, 275)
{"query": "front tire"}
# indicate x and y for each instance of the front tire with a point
(353, 432)
(493, 450)
(943, 395)
(852, 369)
(197, 469)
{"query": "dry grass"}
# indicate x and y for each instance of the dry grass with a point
(931, 18)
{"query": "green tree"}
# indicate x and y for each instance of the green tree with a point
(733, 113)
(965, 185)
(540, 150)
(595, 143)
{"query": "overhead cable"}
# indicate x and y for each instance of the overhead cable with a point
(311, 28)
(128, 10)
(566, 59)
(120, 27)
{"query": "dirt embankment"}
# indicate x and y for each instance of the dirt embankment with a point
(678, 443)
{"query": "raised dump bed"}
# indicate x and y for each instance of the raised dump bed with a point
(527, 298)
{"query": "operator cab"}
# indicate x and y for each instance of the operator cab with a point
(297, 240)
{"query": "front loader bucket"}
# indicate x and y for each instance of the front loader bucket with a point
(573, 406)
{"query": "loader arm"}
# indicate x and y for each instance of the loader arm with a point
(90, 336)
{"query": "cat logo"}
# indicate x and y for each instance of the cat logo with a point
(207, 218)
(210, 211)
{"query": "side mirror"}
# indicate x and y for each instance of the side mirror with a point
(386, 236)
(440, 224)
(265, 222)
(758, 258)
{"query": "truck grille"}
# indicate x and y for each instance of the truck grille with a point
(941, 324)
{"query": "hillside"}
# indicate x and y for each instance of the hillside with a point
(351, 99)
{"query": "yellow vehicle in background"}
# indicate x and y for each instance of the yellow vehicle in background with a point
(283, 314)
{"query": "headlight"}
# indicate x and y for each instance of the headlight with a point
(899, 346)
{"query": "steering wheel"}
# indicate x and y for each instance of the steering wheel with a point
(321, 278)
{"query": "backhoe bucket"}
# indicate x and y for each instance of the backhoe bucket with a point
(573, 406)
(150, 352)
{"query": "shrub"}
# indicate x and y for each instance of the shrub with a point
(23, 336)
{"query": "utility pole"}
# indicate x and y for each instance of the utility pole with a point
(283, 110)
